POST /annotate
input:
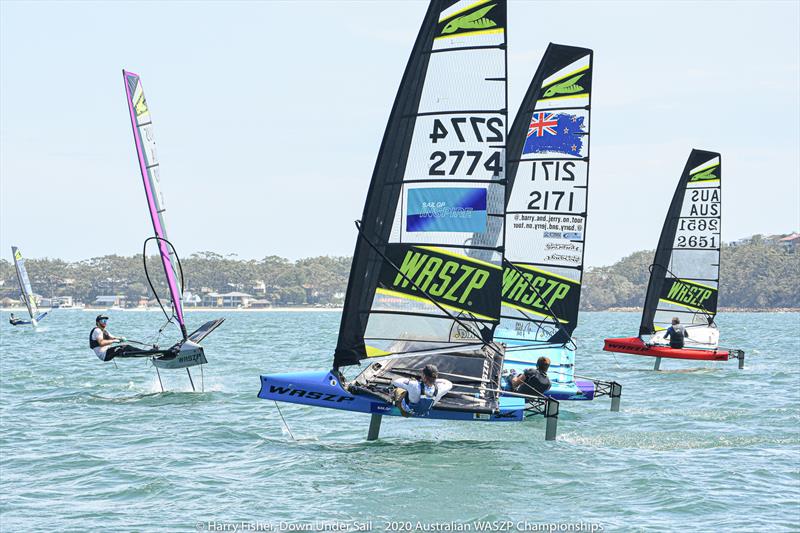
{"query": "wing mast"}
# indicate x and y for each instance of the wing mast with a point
(148, 164)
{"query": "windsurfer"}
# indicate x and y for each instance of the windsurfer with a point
(676, 334)
(415, 398)
(100, 340)
(534, 380)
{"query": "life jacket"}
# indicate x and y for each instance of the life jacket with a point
(93, 343)
(676, 338)
(425, 403)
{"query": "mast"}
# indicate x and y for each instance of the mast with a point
(684, 276)
(427, 265)
(24, 284)
(144, 140)
(546, 194)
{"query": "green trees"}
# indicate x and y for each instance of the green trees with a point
(754, 275)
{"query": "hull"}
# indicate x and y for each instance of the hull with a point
(323, 389)
(635, 346)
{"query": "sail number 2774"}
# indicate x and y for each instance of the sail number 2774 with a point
(467, 130)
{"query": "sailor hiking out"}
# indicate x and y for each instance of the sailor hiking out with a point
(100, 340)
(417, 398)
(533, 381)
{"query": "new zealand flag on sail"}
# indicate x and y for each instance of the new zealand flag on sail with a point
(555, 132)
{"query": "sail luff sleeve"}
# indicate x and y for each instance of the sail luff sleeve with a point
(684, 278)
(381, 201)
(428, 247)
(546, 200)
(148, 165)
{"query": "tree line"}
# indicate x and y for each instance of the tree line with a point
(754, 275)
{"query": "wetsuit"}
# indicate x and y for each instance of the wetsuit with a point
(535, 383)
(676, 334)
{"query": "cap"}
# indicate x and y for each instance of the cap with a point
(100, 317)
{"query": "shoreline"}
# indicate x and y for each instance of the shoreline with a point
(300, 309)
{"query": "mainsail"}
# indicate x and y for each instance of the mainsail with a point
(684, 277)
(148, 164)
(548, 174)
(426, 270)
(25, 284)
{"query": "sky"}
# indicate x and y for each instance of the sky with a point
(268, 117)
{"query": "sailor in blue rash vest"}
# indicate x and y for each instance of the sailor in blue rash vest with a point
(14, 320)
(676, 334)
(417, 398)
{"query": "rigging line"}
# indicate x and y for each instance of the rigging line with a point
(425, 293)
(702, 308)
(284, 421)
(541, 299)
(150, 282)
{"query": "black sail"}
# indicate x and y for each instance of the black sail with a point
(684, 276)
(427, 265)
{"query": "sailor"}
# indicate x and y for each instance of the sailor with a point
(533, 381)
(14, 320)
(100, 340)
(676, 334)
(417, 398)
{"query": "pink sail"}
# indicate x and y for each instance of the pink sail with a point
(148, 163)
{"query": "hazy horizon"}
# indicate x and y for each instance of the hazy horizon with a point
(268, 118)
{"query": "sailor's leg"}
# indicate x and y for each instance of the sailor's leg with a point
(374, 427)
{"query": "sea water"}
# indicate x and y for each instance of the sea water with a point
(86, 445)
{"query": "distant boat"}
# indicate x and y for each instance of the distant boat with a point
(187, 352)
(26, 292)
(427, 271)
(684, 276)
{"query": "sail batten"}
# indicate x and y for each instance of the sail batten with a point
(144, 141)
(427, 264)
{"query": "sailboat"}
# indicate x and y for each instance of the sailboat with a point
(187, 352)
(545, 227)
(684, 276)
(427, 271)
(26, 292)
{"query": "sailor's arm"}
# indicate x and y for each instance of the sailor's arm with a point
(402, 383)
(443, 386)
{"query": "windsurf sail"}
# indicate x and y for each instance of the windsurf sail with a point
(684, 279)
(25, 286)
(142, 124)
(427, 268)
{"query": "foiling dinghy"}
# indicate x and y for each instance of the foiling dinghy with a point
(545, 229)
(187, 352)
(684, 276)
(26, 292)
(427, 272)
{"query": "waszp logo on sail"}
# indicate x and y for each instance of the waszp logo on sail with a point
(685, 293)
(444, 278)
(533, 290)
